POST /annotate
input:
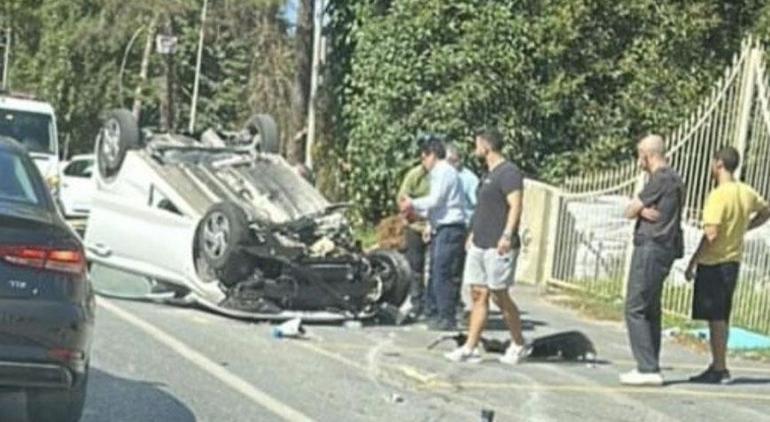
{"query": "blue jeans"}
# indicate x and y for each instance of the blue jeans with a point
(443, 292)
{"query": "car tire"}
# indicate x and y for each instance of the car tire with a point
(395, 273)
(219, 239)
(119, 134)
(265, 126)
(57, 405)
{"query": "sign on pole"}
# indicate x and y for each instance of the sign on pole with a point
(165, 44)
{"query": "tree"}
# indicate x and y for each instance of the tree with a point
(571, 83)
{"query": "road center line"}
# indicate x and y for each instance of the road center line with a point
(198, 359)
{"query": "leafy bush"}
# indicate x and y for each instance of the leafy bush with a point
(572, 83)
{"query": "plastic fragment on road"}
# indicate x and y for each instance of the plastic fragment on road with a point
(290, 329)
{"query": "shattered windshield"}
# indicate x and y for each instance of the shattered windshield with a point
(34, 130)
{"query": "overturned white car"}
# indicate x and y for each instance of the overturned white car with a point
(225, 222)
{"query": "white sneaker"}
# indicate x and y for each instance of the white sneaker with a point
(636, 378)
(514, 354)
(461, 354)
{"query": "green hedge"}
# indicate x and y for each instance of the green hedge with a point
(572, 83)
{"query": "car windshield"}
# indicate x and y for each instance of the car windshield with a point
(34, 130)
(15, 181)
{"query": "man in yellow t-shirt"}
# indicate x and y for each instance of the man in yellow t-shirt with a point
(731, 210)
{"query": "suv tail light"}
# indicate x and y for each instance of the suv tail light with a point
(60, 260)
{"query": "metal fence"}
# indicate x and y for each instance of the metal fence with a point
(589, 241)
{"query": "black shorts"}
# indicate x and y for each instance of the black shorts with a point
(714, 288)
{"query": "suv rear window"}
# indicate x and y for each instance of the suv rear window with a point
(15, 181)
(34, 130)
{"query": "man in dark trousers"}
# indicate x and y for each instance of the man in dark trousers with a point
(415, 185)
(657, 243)
(732, 209)
(492, 250)
(444, 207)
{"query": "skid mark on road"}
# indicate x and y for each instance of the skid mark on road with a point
(238, 384)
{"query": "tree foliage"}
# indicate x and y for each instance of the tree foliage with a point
(70, 52)
(571, 83)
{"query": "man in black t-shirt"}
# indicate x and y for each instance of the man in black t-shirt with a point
(492, 249)
(657, 243)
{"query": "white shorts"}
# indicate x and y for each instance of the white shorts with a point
(487, 268)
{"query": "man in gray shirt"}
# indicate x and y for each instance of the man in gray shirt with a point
(657, 243)
(444, 207)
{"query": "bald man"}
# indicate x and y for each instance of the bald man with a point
(657, 243)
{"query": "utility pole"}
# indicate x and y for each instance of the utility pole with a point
(317, 50)
(5, 48)
(194, 105)
(166, 45)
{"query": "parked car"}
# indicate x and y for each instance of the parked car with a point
(226, 222)
(32, 123)
(77, 185)
(46, 300)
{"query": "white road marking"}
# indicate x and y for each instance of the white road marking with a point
(198, 359)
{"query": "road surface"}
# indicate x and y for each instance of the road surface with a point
(154, 362)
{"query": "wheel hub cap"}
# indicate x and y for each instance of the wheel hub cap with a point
(216, 235)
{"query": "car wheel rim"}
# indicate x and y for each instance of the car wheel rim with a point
(111, 141)
(216, 235)
(383, 274)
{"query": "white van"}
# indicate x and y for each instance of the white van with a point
(33, 123)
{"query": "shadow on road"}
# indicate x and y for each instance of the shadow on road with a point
(115, 399)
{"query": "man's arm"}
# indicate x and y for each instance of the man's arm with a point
(710, 234)
(760, 217)
(712, 218)
(407, 185)
(440, 184)
(642, 206)
(512, 222)
(473, 193)
(636, 209)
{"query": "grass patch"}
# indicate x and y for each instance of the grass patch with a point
(367, 235)
(588, 305)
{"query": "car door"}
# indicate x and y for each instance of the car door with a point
(77, 187)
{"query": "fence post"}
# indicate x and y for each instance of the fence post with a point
(554, 213)
(753, 60)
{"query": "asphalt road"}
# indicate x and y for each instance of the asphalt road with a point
(155, 362)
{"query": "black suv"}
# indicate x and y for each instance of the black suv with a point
(46, 300)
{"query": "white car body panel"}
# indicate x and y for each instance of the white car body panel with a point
(136, 236)
(77, 191)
